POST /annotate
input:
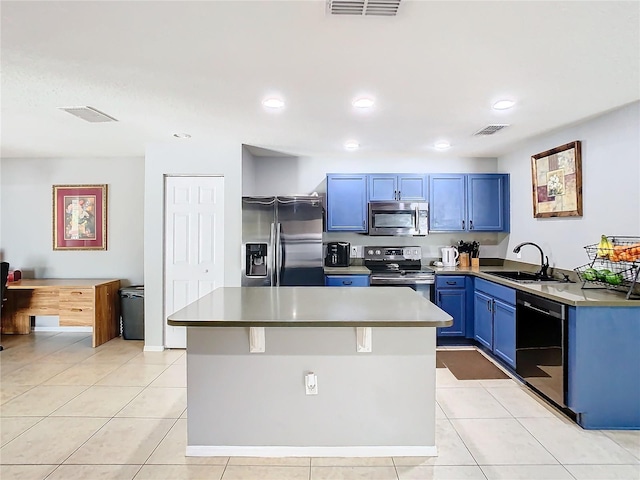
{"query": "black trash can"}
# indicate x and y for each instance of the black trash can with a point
(132, 312)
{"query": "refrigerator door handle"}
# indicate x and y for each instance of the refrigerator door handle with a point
(272, 256)
(259, 200)
(278, 252)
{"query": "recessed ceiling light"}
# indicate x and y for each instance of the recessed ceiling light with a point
(273, 102)
(182, 135)
(363, 102)
(503, 104)
(351, 145)
(442, 145)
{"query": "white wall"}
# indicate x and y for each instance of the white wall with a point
(610, 179)
(26, 202)
(223, 158)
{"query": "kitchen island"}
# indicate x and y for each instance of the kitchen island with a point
(250, 350)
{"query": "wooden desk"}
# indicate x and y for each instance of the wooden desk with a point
(78, 302)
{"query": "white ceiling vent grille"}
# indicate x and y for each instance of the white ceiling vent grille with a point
(89, 114)
(387, 8)
(491, 129)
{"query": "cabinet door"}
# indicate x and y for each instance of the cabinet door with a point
(483, 319)
(347, 203)
(412, 187)
(447, 203)
(453, 302)
(486, 202)
(504, 332)
(382, 187)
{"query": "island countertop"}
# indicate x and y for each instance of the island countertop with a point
(311, 307)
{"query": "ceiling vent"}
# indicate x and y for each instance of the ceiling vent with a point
(89, 114)
(491, 129)
(386, 8)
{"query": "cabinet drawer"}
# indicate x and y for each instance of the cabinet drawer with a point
(76, 296)
(76, 317)
(449, 281)
(501, 292)
(346, 280)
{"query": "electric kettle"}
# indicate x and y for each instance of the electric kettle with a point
(450, 256)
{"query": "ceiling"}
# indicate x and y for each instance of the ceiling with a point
(203, 68)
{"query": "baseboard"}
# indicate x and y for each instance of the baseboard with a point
(282, 451)
(63, 329)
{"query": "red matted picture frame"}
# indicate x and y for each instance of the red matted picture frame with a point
(80, 217)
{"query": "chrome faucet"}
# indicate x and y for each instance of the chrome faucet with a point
(544, 260)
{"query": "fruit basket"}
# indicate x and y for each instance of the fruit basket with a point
(615, 265)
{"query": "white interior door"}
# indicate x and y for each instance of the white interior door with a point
(194, 245)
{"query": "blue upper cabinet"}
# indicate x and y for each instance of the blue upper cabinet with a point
(464, 203)
(447, 212)
(401, 186)
(347, 203)
(488, 202)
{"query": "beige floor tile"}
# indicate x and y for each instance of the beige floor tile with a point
(7, 367)
(72, 354)
(446, 379)
(182, 360)
(451, 449)
(604, 472)
(122, 441)
(352, 462)
(520, 403)
(10, 391)
(133, 375)
(265, 472)
(112, 355)
(98, 401)
(11, 427)
(157, 403)
(95, 472)
(353, 473)
(440, 472)
(271, 461)
(180, 472)
(526, 472)
(174, 376)
(470, 403)
(82, 374)
(628, 439)
(571, 444)
(40, 401)
(35, 373)
(50, 441)
(165, 357)
(501, 441)
(439, 412)
(172, 450)
(25, 472)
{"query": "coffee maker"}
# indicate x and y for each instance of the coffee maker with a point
(338, 254)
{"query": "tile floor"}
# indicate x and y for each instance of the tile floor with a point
(69, 411)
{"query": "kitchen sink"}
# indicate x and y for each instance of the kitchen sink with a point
(527, 277)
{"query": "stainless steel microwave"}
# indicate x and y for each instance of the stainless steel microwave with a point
(398, 218)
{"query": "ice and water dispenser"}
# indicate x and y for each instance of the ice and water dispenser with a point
(256, 260)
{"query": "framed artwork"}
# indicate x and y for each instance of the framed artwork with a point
(557, 182)
(80, 217)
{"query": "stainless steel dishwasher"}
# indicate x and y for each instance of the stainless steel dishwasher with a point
(541, 345)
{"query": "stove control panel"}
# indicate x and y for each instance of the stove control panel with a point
(392, 253)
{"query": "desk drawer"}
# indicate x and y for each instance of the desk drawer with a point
(39, 301)
(76, 306)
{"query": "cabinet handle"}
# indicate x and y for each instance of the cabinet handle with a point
(451, 283)
(347, 282)
(399, 195)
(489, 305)
(470, 224)
(463, 224)
(395, 195)
(76, 293)
(76, 309)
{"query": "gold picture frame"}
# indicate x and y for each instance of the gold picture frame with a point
(557, 182)
(80, 217)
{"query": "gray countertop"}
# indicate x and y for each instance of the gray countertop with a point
(311, 307)
(350, 270)
(567, 293)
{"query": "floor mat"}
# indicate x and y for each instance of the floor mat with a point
(468, 365)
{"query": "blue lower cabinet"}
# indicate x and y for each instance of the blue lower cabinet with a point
(483, 319)
(346, 280)
(495, 319)
(451, 296)
(504, 332)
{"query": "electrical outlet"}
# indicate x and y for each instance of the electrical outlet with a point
(354, 251)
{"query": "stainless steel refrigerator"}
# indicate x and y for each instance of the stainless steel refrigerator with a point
(282, 241)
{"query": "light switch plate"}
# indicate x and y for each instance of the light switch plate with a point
(354, 251)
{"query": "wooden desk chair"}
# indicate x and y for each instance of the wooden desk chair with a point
(4, 273)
